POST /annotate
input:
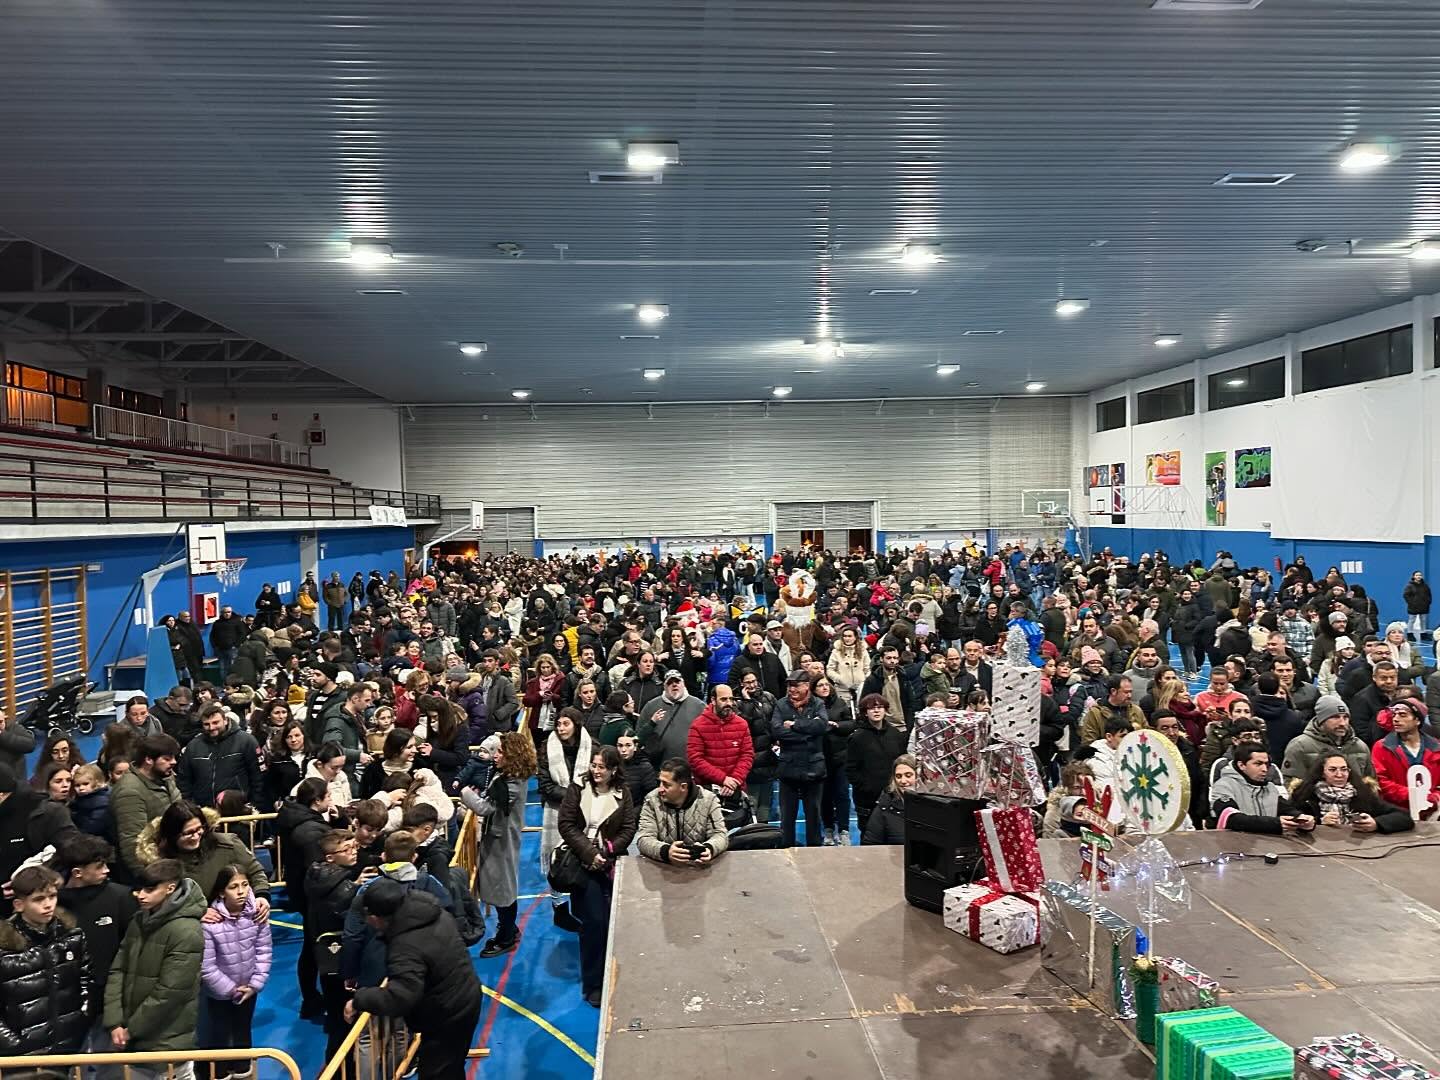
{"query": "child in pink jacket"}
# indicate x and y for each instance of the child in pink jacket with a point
(233, 970)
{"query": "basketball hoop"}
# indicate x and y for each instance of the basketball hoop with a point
(228, 571)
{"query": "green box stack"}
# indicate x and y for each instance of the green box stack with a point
(1218, 1044)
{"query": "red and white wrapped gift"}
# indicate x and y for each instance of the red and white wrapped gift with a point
(1012, 860)
(1005, 922)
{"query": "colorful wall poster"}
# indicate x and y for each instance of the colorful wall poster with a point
(1097, 476)
(1215, 488)
(1163, 467)
(1252, 467)
(1117, 482)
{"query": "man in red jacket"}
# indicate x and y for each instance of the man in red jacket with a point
(1407, 745)
(719, 747)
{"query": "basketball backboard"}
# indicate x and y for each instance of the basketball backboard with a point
(206, 541)
(1045, 502)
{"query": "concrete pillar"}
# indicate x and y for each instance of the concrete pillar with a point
(97, 388)
(170, 402)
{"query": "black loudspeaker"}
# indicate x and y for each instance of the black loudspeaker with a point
(942, 847)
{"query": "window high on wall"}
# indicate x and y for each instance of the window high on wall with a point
(1165, 402)
(1110, 415)
(1374, 356)
(1264, 381)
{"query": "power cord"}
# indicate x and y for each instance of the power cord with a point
(1271, 858)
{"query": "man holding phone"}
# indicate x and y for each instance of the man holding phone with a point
(680, 822)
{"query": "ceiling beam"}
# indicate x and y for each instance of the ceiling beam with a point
(121, 335)
(71, 296)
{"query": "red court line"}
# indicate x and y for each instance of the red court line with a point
(499, 988)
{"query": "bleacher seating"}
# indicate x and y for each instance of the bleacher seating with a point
(47, 477)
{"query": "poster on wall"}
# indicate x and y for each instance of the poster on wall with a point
(1163, 468)
(1252, 467)
(1097, 476)
(1215, 488)
(1117, 484)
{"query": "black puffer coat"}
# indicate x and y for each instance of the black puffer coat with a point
(44, 987)
(887, 821)
(431, 981)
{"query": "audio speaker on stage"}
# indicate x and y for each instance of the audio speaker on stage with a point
(942, 847)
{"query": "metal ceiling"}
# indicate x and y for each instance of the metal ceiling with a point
(1052, 147)
(48, 299)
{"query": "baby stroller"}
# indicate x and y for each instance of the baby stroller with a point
(57, 710)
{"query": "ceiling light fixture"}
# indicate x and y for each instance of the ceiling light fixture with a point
(1073, 305)
(382, 292)
(1425, 251)
(919, 255)
(1034, 387)
(893, 292)
(653, 373)
(946, 369)
(473, 348)
(1236, 382)
(520, 392)
(651, 313)
(831, 350)
(982, 333)
(368, 252)
(1363, 157)
(781, 391)
(651, 157)
(1164, 341)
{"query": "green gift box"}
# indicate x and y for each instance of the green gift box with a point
(1218, 1044)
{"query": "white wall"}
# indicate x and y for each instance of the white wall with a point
(362, 442)
(1350, 463)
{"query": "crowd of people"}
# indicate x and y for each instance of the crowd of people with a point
(656, 704)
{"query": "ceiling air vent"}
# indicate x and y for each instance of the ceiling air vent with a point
(1253, 179)
(1206, 5)
(626, 178)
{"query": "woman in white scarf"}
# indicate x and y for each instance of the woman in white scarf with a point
(567, 755)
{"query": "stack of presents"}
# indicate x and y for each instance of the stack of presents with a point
(988, 757)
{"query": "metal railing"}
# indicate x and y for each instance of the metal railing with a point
(268, 1064)
(29, 408)
(72, 490)
(123, 425)
(376, 1047)
(247, 825)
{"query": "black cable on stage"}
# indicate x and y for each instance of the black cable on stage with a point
(1240, 856)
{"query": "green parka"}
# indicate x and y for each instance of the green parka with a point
(154, 986)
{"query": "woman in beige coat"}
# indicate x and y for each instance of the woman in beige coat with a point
(849, 665)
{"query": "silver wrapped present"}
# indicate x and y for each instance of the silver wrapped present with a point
(1065, 937)
(949, 747)
(1015, 704)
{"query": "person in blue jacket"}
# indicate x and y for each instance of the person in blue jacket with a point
(724, 646)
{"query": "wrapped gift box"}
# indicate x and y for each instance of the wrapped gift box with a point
(1184, 987)
(1005, 922)
(1007, 838)
(1015, 704)
(1354, 1057)
(1065, 937)
(1012, 775)
(949, 747)
(1218, 1044)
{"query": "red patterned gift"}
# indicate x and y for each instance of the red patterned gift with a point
(1354, 1057)
(1012, 861)
(1001, 921)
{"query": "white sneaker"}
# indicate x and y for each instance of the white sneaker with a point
(828, 840)
(842, 838)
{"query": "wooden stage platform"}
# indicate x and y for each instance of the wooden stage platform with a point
(809, 963)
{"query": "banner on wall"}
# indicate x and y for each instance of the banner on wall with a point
(1117, 495)
(1163, 467)
(1215, 488)
(608, 548)
(679, 546)
(1097, 476)
(960, 540)
(1252, 467)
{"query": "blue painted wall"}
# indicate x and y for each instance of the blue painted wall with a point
(273, 557)
(1387, 566)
